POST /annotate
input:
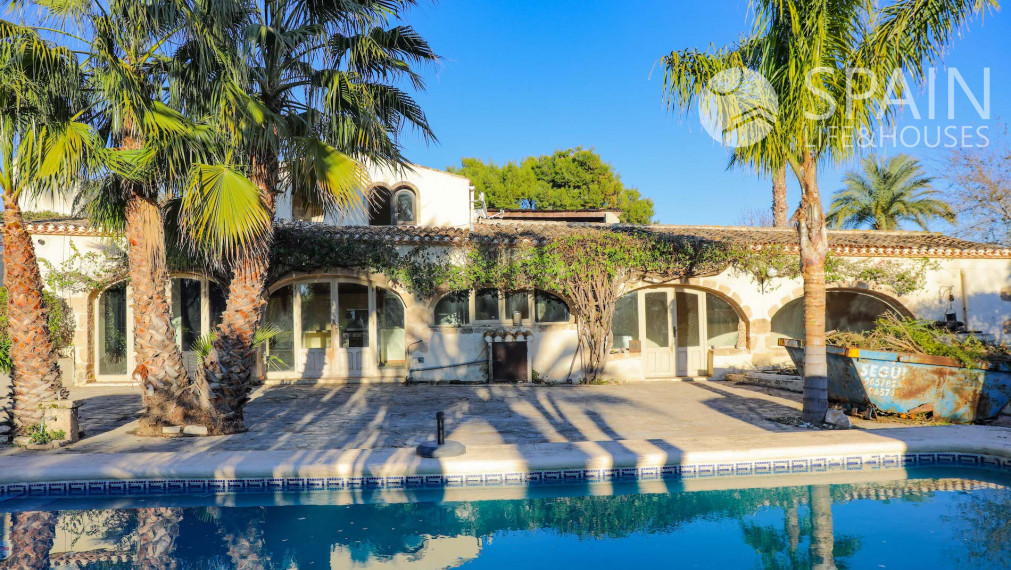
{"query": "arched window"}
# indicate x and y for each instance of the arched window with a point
(453, 309)
(486, 305)
(550, 308)
(405, 211)
(380, 207)
(492, 306)
(329, 326)
(850, 311)
(196, 302)
(722, 322)
(197, 305)
(112, 331)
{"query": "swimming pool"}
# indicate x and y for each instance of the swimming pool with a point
(937, 518)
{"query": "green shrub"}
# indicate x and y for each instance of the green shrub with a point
(41, 436)
(895, 334)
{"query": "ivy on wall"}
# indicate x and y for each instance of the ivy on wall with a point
(591, 267)
(84, 272)
(902, 277)
(770, 266)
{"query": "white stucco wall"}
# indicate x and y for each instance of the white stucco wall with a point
(62, 204)
(443, 198)
(981, 289)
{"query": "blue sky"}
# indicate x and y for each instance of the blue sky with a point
(526, 77)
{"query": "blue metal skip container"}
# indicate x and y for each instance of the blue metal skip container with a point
(900, 383)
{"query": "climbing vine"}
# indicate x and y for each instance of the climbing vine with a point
(82, 272)
(902, 277)
(764, 265)
(769, 266)
(591, 267)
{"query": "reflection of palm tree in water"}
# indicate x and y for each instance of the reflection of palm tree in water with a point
(781, 547)
(822, 539)
(31, 539)
(157, 530)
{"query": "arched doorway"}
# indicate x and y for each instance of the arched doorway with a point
(196, 302)
(673, 328)
(334, 328)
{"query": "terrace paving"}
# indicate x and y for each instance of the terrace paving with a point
(369, 431)
(384, 416)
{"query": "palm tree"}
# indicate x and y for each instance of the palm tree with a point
(320, 97)
(135, 54)
(43, 146)
(887, 193)
(780, 214)
(241, 531)
(808, 51)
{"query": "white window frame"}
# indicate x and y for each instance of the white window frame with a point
(393, 206)
(503, 320)
(131, 358)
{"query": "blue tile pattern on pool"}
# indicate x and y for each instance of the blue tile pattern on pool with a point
(450, 480)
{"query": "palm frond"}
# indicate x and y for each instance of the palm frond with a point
(325, 178)
(223, 213)
(886, 194)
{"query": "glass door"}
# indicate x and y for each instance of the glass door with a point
(658, 356)
(315, 310)
(115, 342)
(187, 318)
(689, 307)
(354, 326)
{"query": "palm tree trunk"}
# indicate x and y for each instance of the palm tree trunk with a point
(813, 250)
(231, 365)
(793, 528)
(35, 376)
(157, 530)
(779, 211)
(170, 398)
(31, 539)
(822, 534)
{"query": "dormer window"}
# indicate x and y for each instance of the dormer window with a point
(393, 208)
(404, 207)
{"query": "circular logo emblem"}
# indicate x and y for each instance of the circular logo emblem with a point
(738, 107)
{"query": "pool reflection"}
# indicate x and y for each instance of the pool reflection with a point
(819, 526)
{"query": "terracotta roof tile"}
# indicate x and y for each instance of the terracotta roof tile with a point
(844, 242)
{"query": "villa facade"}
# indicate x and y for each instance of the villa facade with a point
(349, 326)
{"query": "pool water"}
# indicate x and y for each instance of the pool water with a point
(933, 519)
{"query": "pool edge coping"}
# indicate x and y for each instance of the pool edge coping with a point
(70, 474)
